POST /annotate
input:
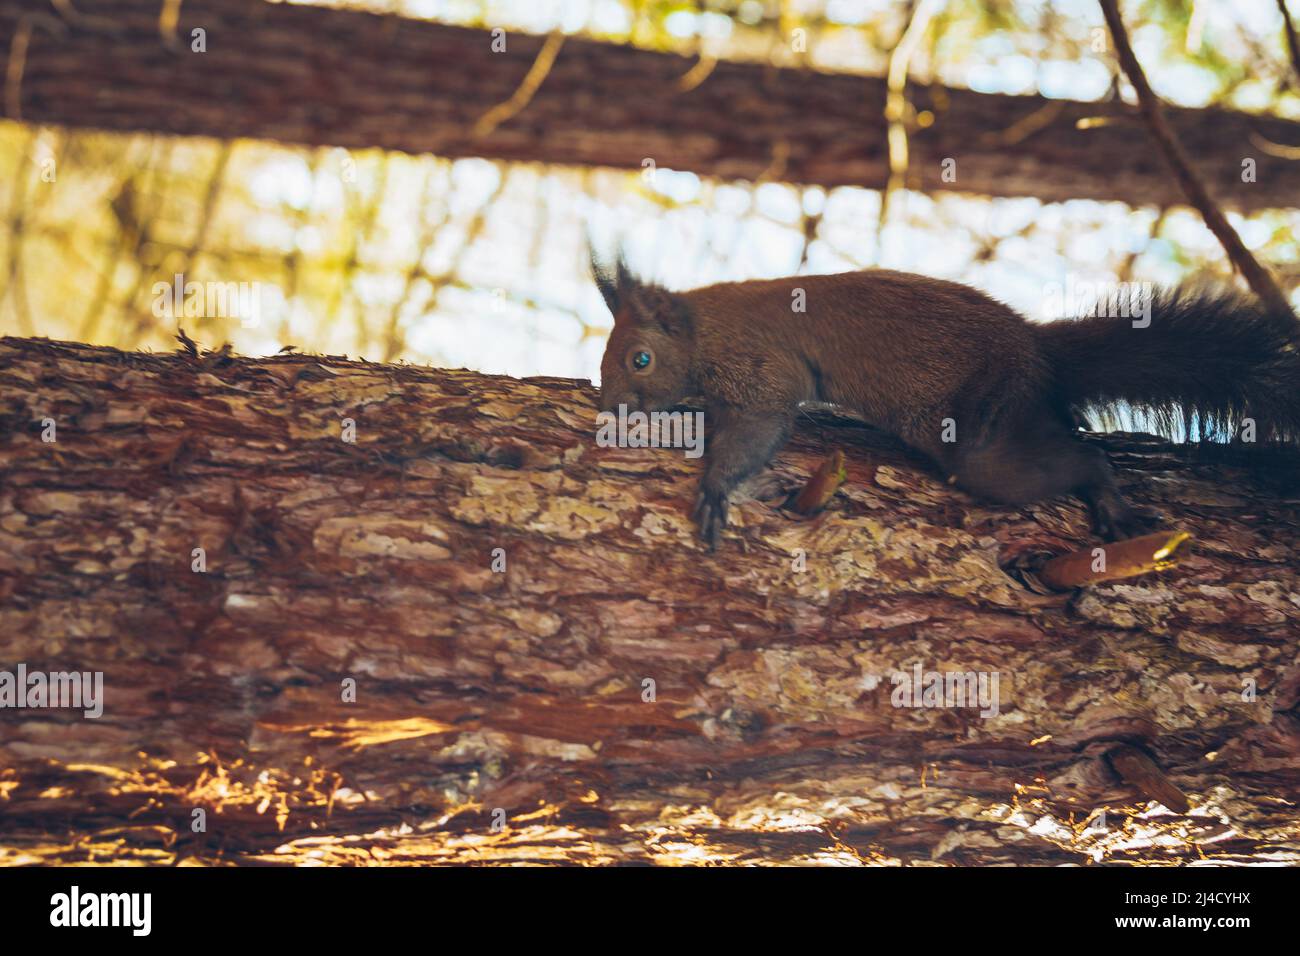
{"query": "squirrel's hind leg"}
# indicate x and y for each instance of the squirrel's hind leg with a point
(1035, 457)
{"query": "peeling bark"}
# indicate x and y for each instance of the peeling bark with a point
(772, 736)
(364, 80)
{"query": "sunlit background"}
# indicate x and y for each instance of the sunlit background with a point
(482, 264)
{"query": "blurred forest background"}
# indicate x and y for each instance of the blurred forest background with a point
(481, 263)
(389, 187)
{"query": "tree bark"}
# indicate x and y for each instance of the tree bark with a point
(518, 696)
(315, 76)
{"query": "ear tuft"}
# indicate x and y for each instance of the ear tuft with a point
(606, 282)
(617, 285)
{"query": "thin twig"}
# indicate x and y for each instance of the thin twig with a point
(17, 218)
(144, 226)
(533, 80)
(104, 286)
(14, 70)
(168, 18)
(698, 73)
(17, 61)
(780, 160)
(1280, 150)
(896, 99)
(1259, 278)
(1026, 126)
(1292, 43)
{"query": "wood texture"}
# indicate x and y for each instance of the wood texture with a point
(302, 74)
(772, 736)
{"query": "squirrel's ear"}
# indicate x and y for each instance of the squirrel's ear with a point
(655, 304)
(606, 283)
(614, 285)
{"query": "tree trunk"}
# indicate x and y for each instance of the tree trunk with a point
(303, 74)
(504, 713)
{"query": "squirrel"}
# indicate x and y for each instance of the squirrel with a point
(993, 399)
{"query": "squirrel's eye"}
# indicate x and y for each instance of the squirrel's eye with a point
(641, 360)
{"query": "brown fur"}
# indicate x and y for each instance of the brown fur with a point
(910, 353)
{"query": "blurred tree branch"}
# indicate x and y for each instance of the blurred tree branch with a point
(1260, 280)
(366, 81)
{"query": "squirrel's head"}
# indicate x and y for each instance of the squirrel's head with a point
(647, 362)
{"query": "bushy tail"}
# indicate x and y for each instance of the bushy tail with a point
(1211, 364)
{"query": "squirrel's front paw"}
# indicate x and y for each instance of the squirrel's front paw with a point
(711, 515)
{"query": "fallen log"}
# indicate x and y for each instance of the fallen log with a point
(355, 613)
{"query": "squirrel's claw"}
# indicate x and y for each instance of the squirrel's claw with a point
(711, 515)
(1119, 523)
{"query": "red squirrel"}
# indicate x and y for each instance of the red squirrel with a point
(993, 399)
